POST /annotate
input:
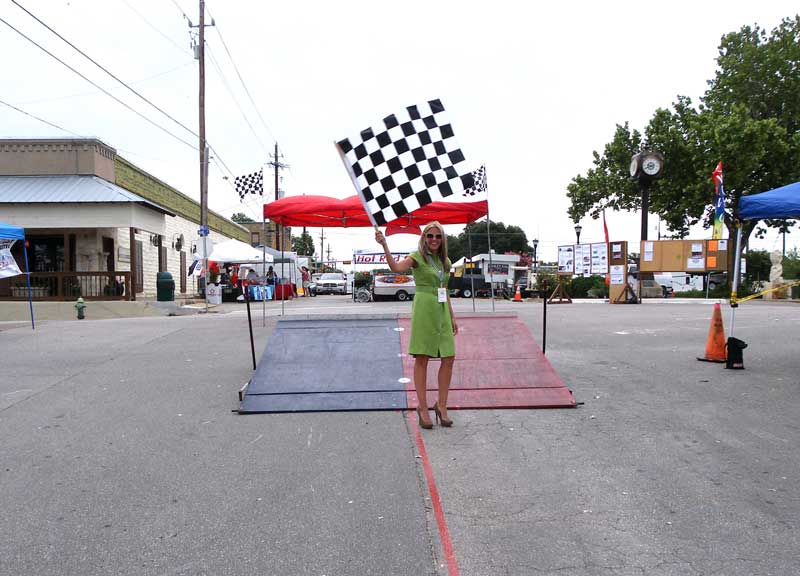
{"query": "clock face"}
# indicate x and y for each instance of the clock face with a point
(651, 165)
(634, 166)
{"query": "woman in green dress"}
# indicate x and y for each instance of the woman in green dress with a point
(433, 325)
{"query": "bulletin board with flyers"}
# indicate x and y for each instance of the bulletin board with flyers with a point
(618, 289)
(583, 259)
(692, 256)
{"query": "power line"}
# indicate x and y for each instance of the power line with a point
(92, 92)
(103, 68)
(236, 68)
(182, 12)
(228, 88)
(103, 90)
(40, 119)
(146, 21)
(115, 78)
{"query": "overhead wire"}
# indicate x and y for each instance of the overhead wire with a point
(211, 148)
(146, 21)
(21, 111)
(225, 83)
(92, 92)
(103, 90)
(236, 68)
(103, 68)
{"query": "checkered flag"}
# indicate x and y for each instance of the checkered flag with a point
(250, 184)
(480, 182)
(409, 160)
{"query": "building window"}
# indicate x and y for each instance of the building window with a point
(255, 238)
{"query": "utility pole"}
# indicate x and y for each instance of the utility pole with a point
(278, 165)
(329, 252)
(322, 244)
(203, 145)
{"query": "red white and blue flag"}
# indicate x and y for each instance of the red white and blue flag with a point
(719, 202)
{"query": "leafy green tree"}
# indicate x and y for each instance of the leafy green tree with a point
(749, 118)
(242, 218)
(791, 265)
(504, 239)
(303, 244)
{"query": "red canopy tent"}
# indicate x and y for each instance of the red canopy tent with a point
(326, 212)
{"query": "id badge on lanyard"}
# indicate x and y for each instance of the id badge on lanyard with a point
(441, 293)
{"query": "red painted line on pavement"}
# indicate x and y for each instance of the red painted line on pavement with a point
(438, 512)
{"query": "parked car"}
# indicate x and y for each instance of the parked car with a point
(396, 286)
(331, 283)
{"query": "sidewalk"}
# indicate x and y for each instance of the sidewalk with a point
(102, 310)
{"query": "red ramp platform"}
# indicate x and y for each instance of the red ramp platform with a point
(498, 365)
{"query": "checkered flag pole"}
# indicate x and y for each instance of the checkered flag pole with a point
(250, 184)
(479, 176)
(407, 161)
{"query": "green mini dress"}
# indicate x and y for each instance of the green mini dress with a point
(431, 324)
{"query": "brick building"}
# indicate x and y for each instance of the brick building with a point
(97, 225)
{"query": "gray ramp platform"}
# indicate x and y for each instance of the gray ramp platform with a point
(329, 364)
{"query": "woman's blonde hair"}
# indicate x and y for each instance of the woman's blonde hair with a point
(423, 247)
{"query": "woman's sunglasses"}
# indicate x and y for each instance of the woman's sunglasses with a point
(432, 236)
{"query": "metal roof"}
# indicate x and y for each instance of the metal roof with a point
(67, 189)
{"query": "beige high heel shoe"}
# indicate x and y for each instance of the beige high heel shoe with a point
(439, 418)
(422, 423)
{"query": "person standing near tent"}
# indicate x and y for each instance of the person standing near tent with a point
(433, 325)
(306, 281)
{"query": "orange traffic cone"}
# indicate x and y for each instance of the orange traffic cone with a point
(715, 344)
(518, 295)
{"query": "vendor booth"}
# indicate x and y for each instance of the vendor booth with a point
(222, 257)
(780, 203)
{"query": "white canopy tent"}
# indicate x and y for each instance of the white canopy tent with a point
(234, 251)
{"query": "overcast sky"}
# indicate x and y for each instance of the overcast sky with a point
(531, 89)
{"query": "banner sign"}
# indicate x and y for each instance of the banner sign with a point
(364, 257)
(8, 266)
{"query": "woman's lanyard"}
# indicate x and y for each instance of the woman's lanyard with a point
(439, 271)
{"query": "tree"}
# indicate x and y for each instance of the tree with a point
(749, 118)
(504, 239)
(303, 244)
(242, 218)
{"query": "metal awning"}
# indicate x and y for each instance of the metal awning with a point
(71, 189)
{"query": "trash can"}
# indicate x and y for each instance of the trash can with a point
(795, 292)
(735, 358)
(165, 287)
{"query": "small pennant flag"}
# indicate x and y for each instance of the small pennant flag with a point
(480, 182)
(250, 184)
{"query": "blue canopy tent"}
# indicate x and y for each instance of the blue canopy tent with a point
(9, 232)
(780, 203)
(783, 202)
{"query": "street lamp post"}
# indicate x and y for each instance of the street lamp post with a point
(535, 245)
(578, 229)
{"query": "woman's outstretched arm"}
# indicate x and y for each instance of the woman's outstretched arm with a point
(401, 266)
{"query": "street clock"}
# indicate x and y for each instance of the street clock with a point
(646, 166)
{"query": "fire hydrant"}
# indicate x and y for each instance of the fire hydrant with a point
(79, 306)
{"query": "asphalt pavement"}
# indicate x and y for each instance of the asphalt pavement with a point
(121, 453)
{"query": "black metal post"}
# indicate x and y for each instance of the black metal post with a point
(250, 323)
(544, 319)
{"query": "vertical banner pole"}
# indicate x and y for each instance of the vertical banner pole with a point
(736, 266)
(28, 279)
(471, 277)
(544, 321)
